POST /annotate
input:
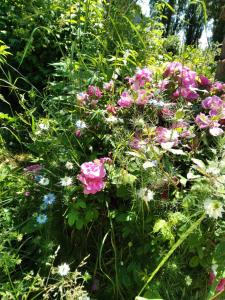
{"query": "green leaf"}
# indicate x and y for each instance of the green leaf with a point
(72, 217)
(79, 224)
(194, 262)
(81, 204)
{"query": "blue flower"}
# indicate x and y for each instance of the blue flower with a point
(41, 219)
(38, 177)
(49, 199)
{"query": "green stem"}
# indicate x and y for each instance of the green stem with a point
(175, 246)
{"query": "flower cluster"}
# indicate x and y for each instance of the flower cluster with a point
(140, 78)
(216, 107)
(185, 80)
(92, 95)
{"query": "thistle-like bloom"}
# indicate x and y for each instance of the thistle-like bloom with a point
(66, 181)
(63, 269)
(213, 208)
(43, 181)
(49, 199)
(41, 219)
(145, 194)
(80, 124)
(69, 165)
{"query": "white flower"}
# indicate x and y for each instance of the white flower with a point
(149, 164)
(63, 269)
(66, 181)
(81, 124)
(44, 181)
(188, 280)
(111, 119)
(145, 194)
(69, 165)
(214, 268)
(114, 120)
(213, 208)
(43, 126)
(84, 298)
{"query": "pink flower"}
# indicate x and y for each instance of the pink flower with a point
(202, 121)
(93, 170)
(105, 160)
(135, 143)
(142, 98)
(140, 78)
(91, 186)
(204, 81)
(33, 168)
(108, 86)
(213, 102)
(215, 131)
(163, 85)
(78, 133)
(221, 285)
(167, 113)
(173, 68)
(82, 98)
(111, 109)
(125, 100)
(212, 278)
(94, 91)
(167, 138)
(27, 194)
(218, 86)
(92, 176)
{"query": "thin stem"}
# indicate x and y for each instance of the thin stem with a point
(175, 246)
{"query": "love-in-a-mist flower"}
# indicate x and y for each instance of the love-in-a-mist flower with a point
(80, 124)
(92, 176)
(69, 165)
(66, 181)
(41, 219)
(43, 181)
(49, 199)
(43, 126)
(213, 208)
(63, 269)
(145, 194)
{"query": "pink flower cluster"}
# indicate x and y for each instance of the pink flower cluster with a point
(92, 95)
(204, 121)
(140, 78)
(220, 286)
(167, 138)
(33, 168)
(216, 107)
(92, 176)
(125, 100)
(94, 91)
(185, 79)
